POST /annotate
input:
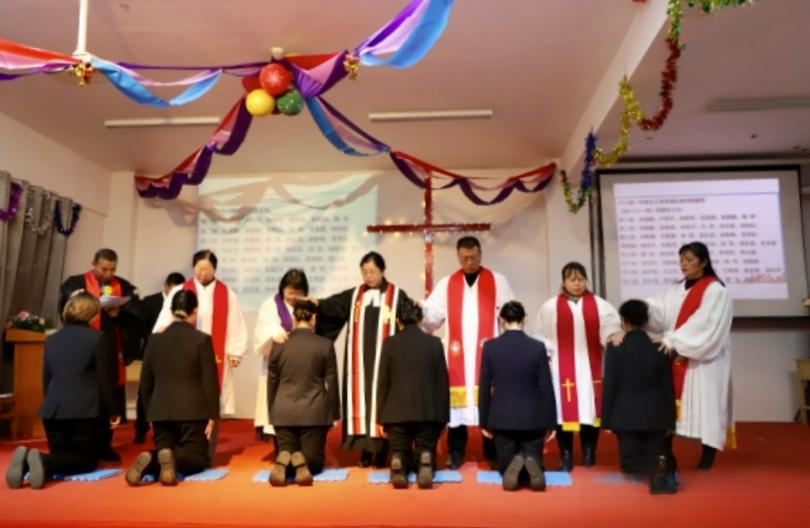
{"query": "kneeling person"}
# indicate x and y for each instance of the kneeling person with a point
(180, 396)
(516, 401)
(413, 397)
(302, 398)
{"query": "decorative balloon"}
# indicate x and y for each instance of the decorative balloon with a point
(291, 103)
(259, 103)
(251, 83)
(275, 79)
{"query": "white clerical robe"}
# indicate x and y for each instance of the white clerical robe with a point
(705, 338)
(435, 313)
(545, 329)
(235, 333)
(268, 329)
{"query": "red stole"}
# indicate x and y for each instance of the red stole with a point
(455, 331)
(357, 409)
(569, 401)
(690, 305)
(219, 322)
(93, 287)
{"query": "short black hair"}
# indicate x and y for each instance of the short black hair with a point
(183, 303)
(408, 312)
(634, 312)
(468, 242)
(513, 312)
(174, 278)
(304, 310)
(376, 258)
(105, 254)
(204, 254)
(294, 278)
(572, 267)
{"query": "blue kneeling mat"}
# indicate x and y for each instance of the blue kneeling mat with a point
(553, 478)
(202, 476)
(327, 475)
(445, 476)
(99, 474)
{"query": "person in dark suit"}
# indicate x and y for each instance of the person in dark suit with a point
(516, 401)
(302, 398)
(413, 397)
(120, 325)
(149, 310)
(80, 404)
(638, 400)
(180, 395)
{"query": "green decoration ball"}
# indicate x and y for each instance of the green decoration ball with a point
(291, 103)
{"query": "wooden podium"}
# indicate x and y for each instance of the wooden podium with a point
(29, 352)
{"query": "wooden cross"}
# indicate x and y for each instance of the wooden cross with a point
(427, 228)
(568, 384)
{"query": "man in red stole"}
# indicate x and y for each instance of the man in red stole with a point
(469, 300)
(121, 324)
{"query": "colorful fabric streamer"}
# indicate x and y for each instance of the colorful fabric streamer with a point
(531, 181)
(225, 140)
(408, 37)
(341, 132)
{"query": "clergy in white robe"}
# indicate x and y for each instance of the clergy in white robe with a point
(696, 325)
(229, 332)
(456, 299)
(273, 326)
(575, 326)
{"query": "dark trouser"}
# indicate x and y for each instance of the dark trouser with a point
(74, 445)
(529, 444)
(457, 442)
(311, 441)
(588, 438)
(141, 425)
(409, 440)
(187, 441)
(639, 450)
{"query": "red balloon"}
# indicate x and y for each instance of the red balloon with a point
(275, 79)
(251, 83)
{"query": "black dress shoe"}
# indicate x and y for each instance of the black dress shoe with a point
(566, 461)
(661, 482)
(456, 460)
(17, 468)
(36, 469)
(424, 474)
(707, 458)
(278, 474)
(134, 474)
(511, 477)
(366, 458)
(537, 480)
(399, 477)
(589, 456)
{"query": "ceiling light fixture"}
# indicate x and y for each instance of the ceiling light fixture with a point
(431, 115)
(161, 121)
(757, 103)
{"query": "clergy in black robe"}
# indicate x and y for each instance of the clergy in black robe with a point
(370, 311)
(121, 325)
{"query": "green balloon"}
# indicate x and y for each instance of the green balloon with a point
(291, 103)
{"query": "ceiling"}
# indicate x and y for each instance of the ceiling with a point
(536, 63)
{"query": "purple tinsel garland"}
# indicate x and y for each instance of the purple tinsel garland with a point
(13, 202)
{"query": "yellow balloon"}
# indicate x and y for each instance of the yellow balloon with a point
(259, 103)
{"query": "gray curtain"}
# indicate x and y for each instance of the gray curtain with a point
(34, 251)
(10, 242)
(56, 262)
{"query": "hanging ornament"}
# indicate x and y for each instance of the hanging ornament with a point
(291, 103)
(259, 103)
(352, 66)
(84, 71)
(251, 83)
(275, 79)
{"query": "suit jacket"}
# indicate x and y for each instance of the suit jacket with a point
(515, 388)
(149, 310)
(127, 321)
(79, 375)
(302, 383)
(179, 376)
(413, 384)
(637, 394)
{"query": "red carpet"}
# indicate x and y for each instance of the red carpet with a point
(766, 482)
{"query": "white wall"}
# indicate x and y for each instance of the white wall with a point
(28, 155)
